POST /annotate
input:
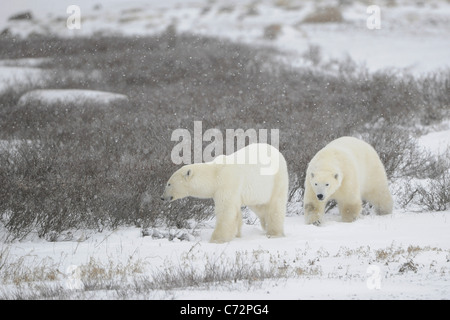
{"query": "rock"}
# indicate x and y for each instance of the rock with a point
(22, 16)
(145, 232)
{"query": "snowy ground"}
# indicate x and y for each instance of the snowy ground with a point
(72, 96)
(402, 256)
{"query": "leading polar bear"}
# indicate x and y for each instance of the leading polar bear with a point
(255, 176)
(347, 170)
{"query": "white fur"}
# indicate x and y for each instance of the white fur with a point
(254, 176)
(347, 170)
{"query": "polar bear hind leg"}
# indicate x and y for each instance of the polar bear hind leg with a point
(275, 214)
(381, 201)
(276, 208)
(260, 211)
(239, 222)
(271, 216)
(350, 210)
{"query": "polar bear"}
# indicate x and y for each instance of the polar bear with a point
(347, 170)
(255, 176)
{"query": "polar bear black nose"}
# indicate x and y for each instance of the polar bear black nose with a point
(320, 196)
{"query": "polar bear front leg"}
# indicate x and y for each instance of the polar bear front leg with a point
(314, 212)
(314, 209)
(228, 222)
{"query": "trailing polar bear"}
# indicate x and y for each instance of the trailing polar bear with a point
(347, 170)
(255, 176)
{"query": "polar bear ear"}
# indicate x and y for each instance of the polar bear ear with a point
(336, 176)
(312, 175)
(188, 174)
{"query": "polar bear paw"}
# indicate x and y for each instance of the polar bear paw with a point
(312, 215)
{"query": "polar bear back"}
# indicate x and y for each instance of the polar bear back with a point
(254, 169)
(362, 157)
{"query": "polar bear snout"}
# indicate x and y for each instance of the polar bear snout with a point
(320, 196)
(166, 198)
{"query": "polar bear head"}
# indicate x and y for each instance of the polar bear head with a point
(325, 183)
(178, 185)
(194, 180)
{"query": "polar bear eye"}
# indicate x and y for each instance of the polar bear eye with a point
(168, 184)
(327, 184)
(315, 184)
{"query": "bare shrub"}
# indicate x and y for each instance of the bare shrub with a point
(432, 191)
(398, 151)
(435, 194)
(271, 32)
(288, 4)
(434, 96)
(313, 54)
(324, 15)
